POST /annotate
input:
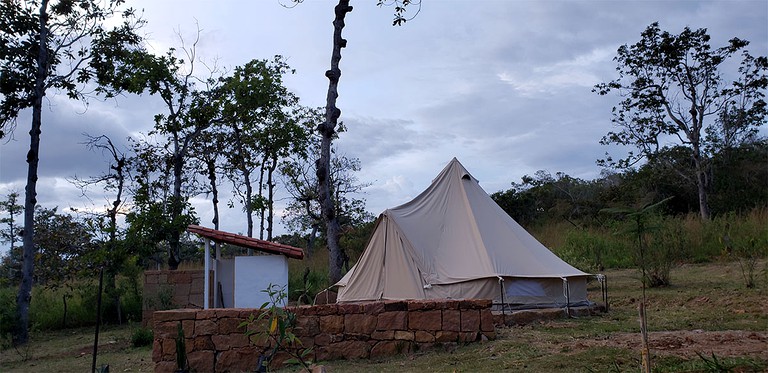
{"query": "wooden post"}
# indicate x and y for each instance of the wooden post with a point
(645, 353)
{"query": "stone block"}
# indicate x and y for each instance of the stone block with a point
(327, 309)
(169, 349)
(452, 320)
(181, 289)
(325, 339)
(404, 335)
(237, 360)
(393, 320)
(423, 337)
(386, 348)
(383, 335)
(201, 361)
(448, 304)
(395, 305)
(225, 342)
(150, 279)
(468, 336)
(165, 330)
(175, 315)
(157, 350)
(332, 324)
(225, 313)
(470, 320)
(209, 314)
(486, 320)
(326, 353)
(446, 336)
(202, 343)
(359, 323)
(373, 308)
(425, 320)
(350, 308)
(230, 325)
(307, 326)
(416, 305)
(354, 349)
(188, 326)
(205, 327)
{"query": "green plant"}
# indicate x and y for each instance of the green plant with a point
(307, 288)
(182, 364)
(142, 337)
(274, 324)
(714, 364)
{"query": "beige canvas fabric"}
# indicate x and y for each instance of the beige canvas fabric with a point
(454, 241)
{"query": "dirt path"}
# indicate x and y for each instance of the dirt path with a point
(731, 343)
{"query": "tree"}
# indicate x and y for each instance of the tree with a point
(303, 213)
(327, 129)
(256, 110)
(64, 242)
(46, 45)
(112, 254)
(11, 262)
(674, 91)
(189, 113)
(11, 207)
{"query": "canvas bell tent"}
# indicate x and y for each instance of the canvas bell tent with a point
(453, 241)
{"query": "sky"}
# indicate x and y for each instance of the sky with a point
(504, 86)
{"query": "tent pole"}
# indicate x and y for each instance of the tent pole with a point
(503, 304)
(567, 297)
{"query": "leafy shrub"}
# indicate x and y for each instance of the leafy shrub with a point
(8, 319)
(142, 337)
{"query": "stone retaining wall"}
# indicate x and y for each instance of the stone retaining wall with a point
(215, 343)
(166, 289)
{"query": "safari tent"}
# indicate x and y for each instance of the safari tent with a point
(453, 241)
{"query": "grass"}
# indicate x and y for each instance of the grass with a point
(706, 297)
(71, 350)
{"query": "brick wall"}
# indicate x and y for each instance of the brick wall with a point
(214, 342)
(165, 289)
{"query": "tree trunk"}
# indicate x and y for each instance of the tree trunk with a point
(270, 196)
(327, 130)
(174, 246)
(24, 296)
(214, 192)
(702, 183)
(261, 200)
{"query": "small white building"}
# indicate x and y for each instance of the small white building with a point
(239, 282)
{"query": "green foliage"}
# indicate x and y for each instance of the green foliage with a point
(274, 324)
(595, 250)
(181, 350)
(142, 337)
(8, 317)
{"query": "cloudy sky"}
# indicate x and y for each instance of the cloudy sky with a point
(504, 86)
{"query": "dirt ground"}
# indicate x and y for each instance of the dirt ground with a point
(686, 344)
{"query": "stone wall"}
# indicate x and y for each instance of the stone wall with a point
(165, 289)
(215, 343)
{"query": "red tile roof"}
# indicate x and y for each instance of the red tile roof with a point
(247, 242)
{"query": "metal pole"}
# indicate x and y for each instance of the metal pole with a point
(503, 304)
(567, 297)
(207, 276)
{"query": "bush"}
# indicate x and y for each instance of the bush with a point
(142, 337)
(8, 320)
